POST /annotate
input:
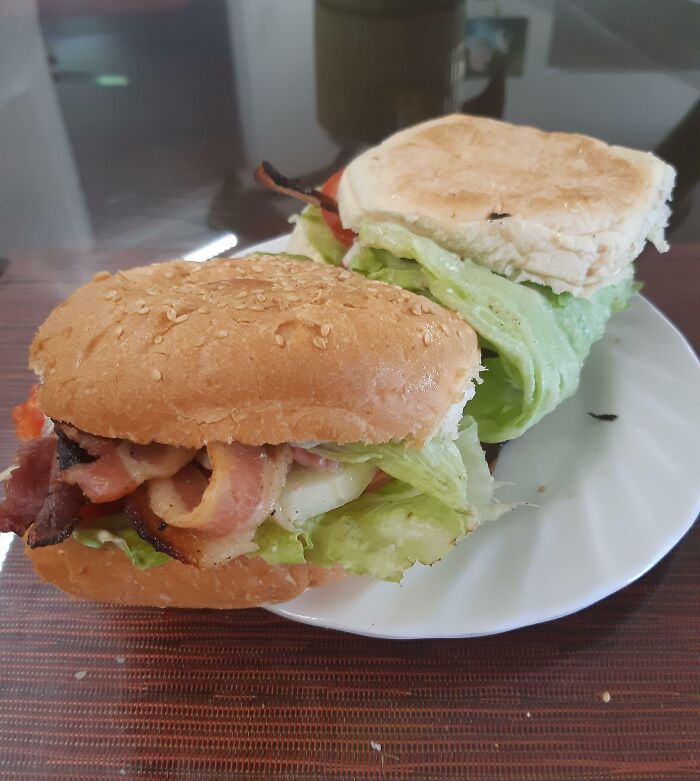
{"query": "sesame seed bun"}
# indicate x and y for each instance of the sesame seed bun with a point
(266, 349)
(106, 575)
(561, 209)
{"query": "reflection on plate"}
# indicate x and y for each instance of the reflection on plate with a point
(603, 501)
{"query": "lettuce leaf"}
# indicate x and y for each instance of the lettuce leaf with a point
(384, 532)
(321, 237)
(383, 266)
(436, 468)
(541, 339)
(117, 530)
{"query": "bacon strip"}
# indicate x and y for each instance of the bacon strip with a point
(59, 514)
(242, 492)
(28, 485)
(120, 467)
(35, 498)
(268, 176)
(312, 461)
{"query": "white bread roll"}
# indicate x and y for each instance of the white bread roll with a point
(578, 210)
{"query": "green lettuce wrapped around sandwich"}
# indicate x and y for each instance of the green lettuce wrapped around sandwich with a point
(530, 236)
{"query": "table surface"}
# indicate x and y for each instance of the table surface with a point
(134, 140)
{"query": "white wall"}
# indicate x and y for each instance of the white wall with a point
(273, 52)
(634, 108)
(41, 200)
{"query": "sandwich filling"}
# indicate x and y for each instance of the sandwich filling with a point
(374, 509)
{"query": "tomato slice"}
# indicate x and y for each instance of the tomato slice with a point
(343, 235)
(91, 513)
(28, 417)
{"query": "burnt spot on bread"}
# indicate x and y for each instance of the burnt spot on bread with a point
(498, 216)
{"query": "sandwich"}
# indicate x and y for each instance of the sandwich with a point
(229, 433)
(530, 236)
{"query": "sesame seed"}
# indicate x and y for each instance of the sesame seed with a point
(157, 339)
(144, 310)
(139, 302)
(416, 309)
(181, 318)
(110, 294)
(221, 334)
(260, 297)
(444, 329)
(171, 314)
(325, 329)
(427, 338)
(256, 268)
(169, 275)
(280, 340)
(203, 310)
(293, 297)
(120, 330)
(241, 294)
(320, 343)
(200, 341)
(240, 306)
(605, 696)
(156, 374)
(344, 275)
(427, 307)
(100, 276)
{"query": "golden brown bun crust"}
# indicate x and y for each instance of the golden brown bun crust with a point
(561, 209)
(261, 350)
(106, 575)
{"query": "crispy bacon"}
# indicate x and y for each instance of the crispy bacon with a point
(206, 523)
(36, 500)
(268, 176)
(380, 478)
(59, 514)
(28, 485)
(312, 461)
(120, 467)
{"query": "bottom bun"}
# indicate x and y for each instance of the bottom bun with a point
(106, 575)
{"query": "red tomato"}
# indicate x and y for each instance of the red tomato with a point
(343, 235)
(91, 512)
(380, 478)
(28, 417)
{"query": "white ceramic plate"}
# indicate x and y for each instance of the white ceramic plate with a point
(607, 500)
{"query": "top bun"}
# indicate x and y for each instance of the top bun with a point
(561, 209)
(266, 349)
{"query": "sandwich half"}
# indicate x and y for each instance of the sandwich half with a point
(230, 433)
(529, 235)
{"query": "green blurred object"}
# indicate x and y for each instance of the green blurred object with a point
(112, 80)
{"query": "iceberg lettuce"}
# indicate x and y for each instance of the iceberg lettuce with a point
(540, 339)
(384, 532)
(117, 530)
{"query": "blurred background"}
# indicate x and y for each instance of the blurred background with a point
(136, 124)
